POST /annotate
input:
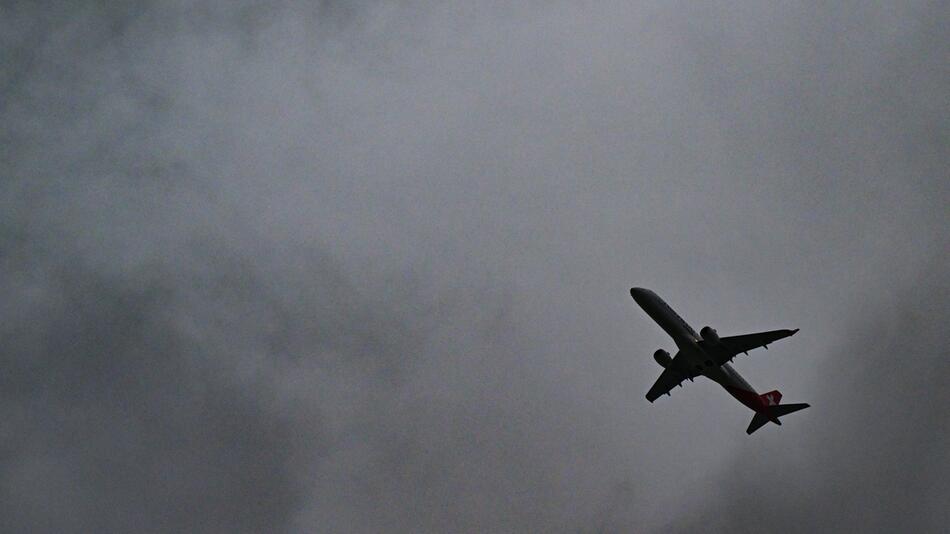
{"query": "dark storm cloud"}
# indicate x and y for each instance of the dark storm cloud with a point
(364, 267)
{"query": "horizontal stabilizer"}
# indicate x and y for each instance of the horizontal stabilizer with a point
(773, 412)
(785, 409)
(758, 420)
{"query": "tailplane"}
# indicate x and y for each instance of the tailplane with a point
(785, 409)
(772, 413)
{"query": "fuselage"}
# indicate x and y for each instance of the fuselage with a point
(691, 355)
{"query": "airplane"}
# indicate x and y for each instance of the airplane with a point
(709, 355)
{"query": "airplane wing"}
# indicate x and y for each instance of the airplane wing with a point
(669, 379)
(728, 347)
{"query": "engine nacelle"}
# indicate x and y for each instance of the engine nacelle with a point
(708, 333)
(662, 357)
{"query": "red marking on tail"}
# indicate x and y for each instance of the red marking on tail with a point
(771, 398)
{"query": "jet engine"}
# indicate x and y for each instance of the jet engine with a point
(662, 357)
(708, 333)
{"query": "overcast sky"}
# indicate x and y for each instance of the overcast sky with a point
(364, 266)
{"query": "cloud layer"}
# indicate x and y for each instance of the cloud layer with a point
(364, 267)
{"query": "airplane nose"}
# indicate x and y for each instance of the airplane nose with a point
(642, 295)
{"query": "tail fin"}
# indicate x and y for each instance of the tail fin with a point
(772, 413)
(772, 398)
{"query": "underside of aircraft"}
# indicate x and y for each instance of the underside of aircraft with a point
(707, 354)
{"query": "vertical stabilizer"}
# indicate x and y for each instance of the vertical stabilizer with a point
(772, 398)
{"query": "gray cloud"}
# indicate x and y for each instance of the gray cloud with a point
(872, 457)
(364, 267)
